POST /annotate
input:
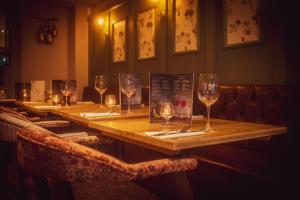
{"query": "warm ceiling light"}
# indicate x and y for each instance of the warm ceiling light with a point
(100, 21)
(2, 31)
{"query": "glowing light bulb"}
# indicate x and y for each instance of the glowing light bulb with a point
(100, 21)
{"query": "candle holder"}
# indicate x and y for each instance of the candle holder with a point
(110, 101)
(56, 99)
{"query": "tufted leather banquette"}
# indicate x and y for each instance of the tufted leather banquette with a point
(252, 103)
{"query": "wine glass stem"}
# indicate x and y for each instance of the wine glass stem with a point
(208, 116)
(100, 99)
(66, 101)
(128, 105)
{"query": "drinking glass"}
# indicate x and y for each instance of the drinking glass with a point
(56, 99)
(66, 90)
(208, 94)
(110, 101)
(128, 86)
(101, 85)
(167, 111)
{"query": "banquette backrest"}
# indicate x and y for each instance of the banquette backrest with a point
(252, 103)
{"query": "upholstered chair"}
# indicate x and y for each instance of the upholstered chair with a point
(44, 154)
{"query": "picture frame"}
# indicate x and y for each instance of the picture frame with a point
(145, 24)
(119, 41)
(242, 22)
(185, 26)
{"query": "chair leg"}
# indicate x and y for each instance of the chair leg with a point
(42, 188)
(62, 190)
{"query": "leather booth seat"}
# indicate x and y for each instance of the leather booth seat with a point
(252, 103)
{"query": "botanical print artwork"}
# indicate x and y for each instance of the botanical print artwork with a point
(119, 41)
(186, 29)
(146, 34)
(243, 21)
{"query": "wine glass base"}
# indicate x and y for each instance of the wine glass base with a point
(209, 130)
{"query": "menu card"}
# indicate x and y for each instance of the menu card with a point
(135, 99)
(177, 89)
(37, 92)
(22, 91)
(56, 89)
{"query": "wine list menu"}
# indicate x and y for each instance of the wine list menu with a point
(177, 89)
(135, 99)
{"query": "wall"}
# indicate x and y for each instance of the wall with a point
(264, 63)
(41, 61)
(66, 58)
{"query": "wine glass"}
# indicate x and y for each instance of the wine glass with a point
(66, 90)
(208, 94)
(128, 86)
(167, 111)
(101, 85)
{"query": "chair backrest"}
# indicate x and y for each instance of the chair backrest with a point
(9, 125)
(42, 154)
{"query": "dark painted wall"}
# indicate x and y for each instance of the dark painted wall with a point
(264, 63)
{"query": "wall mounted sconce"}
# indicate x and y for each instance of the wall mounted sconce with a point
(47, 30)
(100, 21)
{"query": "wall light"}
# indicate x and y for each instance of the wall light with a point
(100, 21)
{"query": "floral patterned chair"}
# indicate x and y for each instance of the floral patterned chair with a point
(10, 124)
(42, 153)
(36, 119)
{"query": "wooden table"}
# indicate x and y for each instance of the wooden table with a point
(7, 100)
(132, 130)
(73, 112)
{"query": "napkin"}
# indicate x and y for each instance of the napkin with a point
(84, 102)
(66, 135)
(99, 114)
(47, 107)
(172, 134)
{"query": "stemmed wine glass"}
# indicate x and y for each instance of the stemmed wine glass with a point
(128, 86)
(66, 90)
(167, 111)
(101, 85)
(208, 94)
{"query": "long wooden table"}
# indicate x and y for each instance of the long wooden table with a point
(131, 128)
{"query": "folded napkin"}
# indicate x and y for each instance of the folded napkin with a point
(47, 107)
(84, 102)
(172, 134)
(74, 134)
(196, 117)
(99, 114)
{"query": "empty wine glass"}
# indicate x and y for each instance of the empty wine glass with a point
(128, 86)
(101, 85)
(66, 90)
(167, 111)
(208, 94)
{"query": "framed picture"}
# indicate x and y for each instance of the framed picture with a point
(146, 34)
(242, 22)
(119, 41)
(186, 24)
